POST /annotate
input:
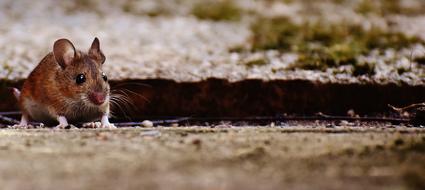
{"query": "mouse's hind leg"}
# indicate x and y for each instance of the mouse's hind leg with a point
(104, 123)
(23, 123)
(24, 118)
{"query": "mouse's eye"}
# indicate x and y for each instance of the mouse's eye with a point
(81, 78)
(105, 78)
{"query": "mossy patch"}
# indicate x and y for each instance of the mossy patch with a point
(82, 5)
(258, 62)
(388, 7)
(322, 45)
(222, 10)
(132, 8)
(8, 69)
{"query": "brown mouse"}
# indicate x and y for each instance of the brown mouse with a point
(68, 85)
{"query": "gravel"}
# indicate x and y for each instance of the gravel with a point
(179, 46)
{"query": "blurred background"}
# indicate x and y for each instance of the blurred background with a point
(345, 41)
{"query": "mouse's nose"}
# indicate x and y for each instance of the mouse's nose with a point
(97, 98)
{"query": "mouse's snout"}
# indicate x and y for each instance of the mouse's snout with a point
(97, 98)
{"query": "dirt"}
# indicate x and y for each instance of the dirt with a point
(294, 157)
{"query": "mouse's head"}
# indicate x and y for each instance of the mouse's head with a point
(81, 75)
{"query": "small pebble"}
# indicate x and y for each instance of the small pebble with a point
(351, 113)
(147, 123)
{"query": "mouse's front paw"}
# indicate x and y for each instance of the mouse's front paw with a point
(63, 123)
(61, 126)
(91, 125)
(108, 126)
(105, 123)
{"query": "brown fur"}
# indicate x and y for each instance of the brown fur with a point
(52, 87)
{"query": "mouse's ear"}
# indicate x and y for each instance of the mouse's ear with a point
(64, 52)
(95, 51)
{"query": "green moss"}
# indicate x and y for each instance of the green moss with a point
(288, 1)
(281, 33)
(311, 61)
(131, 8)
(342, 54)
(217, 10)
(388, 7)
(324, 45)
(376, 38)
(256, 62)
(276, 33)
(366, 7)
(8, 69)
(127, 7)
(338, 1)
(82, 5)
(396, 7)
(391, 7)
(85, 4)
(237, 49)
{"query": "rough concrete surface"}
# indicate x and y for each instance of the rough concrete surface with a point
(163, 39)
(292, 157)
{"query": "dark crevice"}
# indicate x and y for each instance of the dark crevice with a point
(219, 97)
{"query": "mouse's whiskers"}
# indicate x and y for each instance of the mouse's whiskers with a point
(121, 102)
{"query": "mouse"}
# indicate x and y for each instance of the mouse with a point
(67, 86)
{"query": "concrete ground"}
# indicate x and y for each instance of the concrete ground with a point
(290, 157)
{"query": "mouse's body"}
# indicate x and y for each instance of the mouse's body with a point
(67, 86)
